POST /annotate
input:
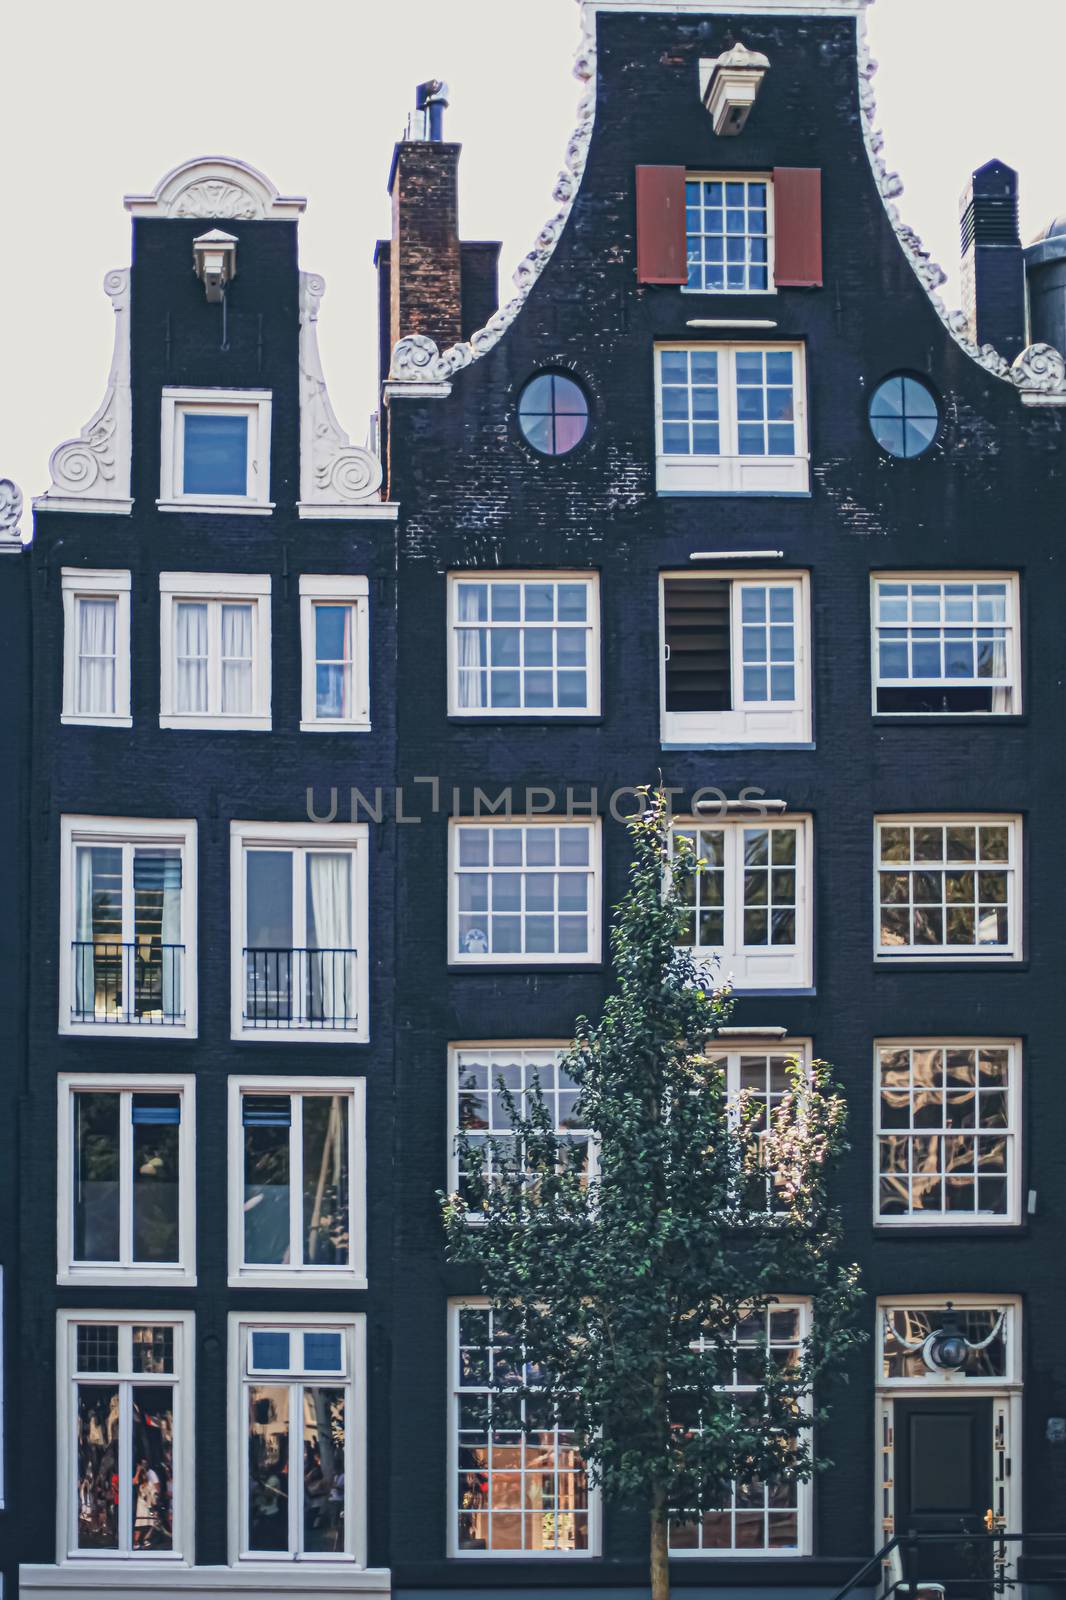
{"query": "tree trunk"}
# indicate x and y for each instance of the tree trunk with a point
(660, 1554)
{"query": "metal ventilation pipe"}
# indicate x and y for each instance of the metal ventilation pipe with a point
(431, 98)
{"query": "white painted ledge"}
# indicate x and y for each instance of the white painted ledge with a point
(163, 1581)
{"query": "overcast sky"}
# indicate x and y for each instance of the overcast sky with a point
(102, 100)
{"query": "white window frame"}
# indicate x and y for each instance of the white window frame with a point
(86, 830)
(509, 1051)
(95, 583)
(272, 1274)
(804, 1490)
(729, 472)
(183, 1382)
(1013, 1134)
(183, 1271)
(352, 837)
(747, 723)
(353, 1325)
(255, 405)
(335, 589)
(214, 590)
(745, 178)
(595, 1529)
(594, 871)
(591, 629)
(755, 967)
(919, 955)
(1012, 627)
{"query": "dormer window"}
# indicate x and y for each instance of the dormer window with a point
(215, 450)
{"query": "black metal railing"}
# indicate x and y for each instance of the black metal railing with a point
(299, 988)
(142, 982)
(907, 1565)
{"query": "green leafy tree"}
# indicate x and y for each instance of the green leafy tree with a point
(631, 1284)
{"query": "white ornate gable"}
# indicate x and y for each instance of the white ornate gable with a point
(216, 186)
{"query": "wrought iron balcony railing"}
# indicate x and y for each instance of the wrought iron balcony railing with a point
(299, 988)
(142, 982)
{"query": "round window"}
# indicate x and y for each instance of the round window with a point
(553, 413)
(904, 416)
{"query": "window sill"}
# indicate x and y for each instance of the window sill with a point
(337, 726)
(528, 719)
(731, 294)
(1000, 961)
(217, 724)
(135, 1576)
(743, 475)
(127, 1030)
(236, 508)
(530, 964)
(72, 720)
(1002, 1227)
(300, 1036)
(950, 719)
(127, 1277)
(298, 1278)
(739, 744)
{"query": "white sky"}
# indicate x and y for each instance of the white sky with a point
(104, 100)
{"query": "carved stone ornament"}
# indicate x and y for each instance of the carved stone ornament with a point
(1039, 374)
(92, 472)
(416, 359)
(729, 86)
(215, 186)
(10, 515)
(335, 475)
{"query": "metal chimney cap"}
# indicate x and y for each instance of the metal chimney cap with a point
(433, 92)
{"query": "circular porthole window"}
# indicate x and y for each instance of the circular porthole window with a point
(553, 414)
(904, 416)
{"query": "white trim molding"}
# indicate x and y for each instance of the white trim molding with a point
(253, 404)
(10, 515)
(338, 589)
(81, 583)
(215, 589)
(216, 186)
(336, 476)
(177, 1582)
(92, 472)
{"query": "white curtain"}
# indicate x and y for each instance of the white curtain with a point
(329, 929)
(84, 986)
(237, 659)
(96, 656)
(190, 639)
(468, 645)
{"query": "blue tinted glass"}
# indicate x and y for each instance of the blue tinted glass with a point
(553, 414)
(216, 455)
(904, 416)
(270, 1351)
(331, 631)
(322, 1352)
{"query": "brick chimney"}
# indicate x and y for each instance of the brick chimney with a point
(993, 269)
(428, 280)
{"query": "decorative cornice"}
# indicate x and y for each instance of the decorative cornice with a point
(10, 515)
(416, 359)
(335, 475)
(216, 186)
(1039, 373)
(92, 472)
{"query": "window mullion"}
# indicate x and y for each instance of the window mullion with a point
(125, 1457)
(214, 658)
(734, 888)
(736, 651)
(727, 400)
(295, 1453)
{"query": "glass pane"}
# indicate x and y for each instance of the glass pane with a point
(96, 1177)
(268, 1468)
(215, 454)
(153, 1467)
(266, 1190)
(269, 921)
(270, 1350)
(156, 1132)
(325, 1180)
(323, 1470)
(96, 656)
(98, 1482)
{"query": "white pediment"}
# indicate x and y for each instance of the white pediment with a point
(216, 186)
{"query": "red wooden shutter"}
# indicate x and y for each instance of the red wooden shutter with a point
(798, 227)
(661, 225)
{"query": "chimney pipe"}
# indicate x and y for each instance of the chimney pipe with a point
(993, 269)
(431, 98)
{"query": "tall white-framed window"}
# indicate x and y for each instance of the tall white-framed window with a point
(946, 643)
(515, 1492)
(749, 899)
(215, 450)
(478, 1109)
(299, 930)
(127, 1190)
(729, 232)
(771, 1518)
(525, 891)
(126, 1453)
(736, 660)
(335, 653)
(96, 647)
(297, 1182)
(731, 419)
(948, 1132)
(298, 1386)
(523, 644)
(214, 650)
(127, 926)
(948, 886)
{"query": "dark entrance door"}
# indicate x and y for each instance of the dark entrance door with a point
(943, 1476)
